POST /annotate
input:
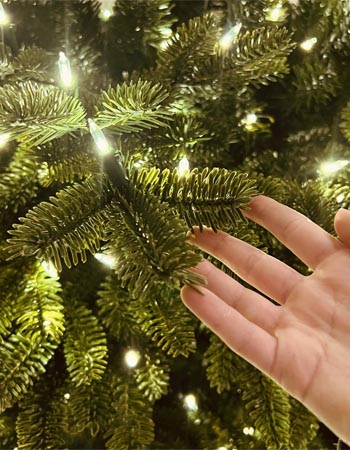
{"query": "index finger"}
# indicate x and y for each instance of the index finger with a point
(304, 238)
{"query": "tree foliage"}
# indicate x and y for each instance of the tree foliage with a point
(34, 114)
(259, 116)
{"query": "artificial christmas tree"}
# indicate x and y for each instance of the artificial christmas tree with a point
(101, 108)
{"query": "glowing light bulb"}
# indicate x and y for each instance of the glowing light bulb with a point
(184, 166)
(276, 14)
(106, 14)
(107, 260)
(4, 138)
(47, 323)
(333, 166)
(222, 448)
(228, 38)
(65, 70)
(132, 358)
(340, 198)
(248, 431)
(308, 44)
(4, 18)
(250, 119)
(49, 268)
(190, 402)
(99, 138)
(67, 396)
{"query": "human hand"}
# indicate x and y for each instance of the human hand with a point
(304, 342)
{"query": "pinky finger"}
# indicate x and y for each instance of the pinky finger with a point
(244, 337)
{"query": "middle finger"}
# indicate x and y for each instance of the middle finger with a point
(265, 273)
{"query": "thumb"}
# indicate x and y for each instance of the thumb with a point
(342, 226)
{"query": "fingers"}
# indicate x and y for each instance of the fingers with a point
(241, 335)
(250, 304)
(342, 226)
(267, 274)
(304, 238)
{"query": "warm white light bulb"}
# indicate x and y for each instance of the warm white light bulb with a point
(276, 13)
(4, 138)
(4, 18)
(106, 14)
(107, 260)
(340, 198)
(184, 166)
(49, 268)
(47, 323)
(333, 166)
(249, 431)
(250, 119)
(228, 38)
(308, 44)
(65, 70)
(99, 138)
(132, 358)
(190, 402)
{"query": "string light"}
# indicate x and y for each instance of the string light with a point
(4, 138)
(228, 38)
(65, 70)
(106, 10)
(99, 138)
(107, 260)
(190, 402)
(276, 13)
(333, 166)
(184, 166)
(67, 396)
(49, 268)
(249, 121)
(4, 18)
(105, 14)
(308, 44)
(132, 358)
(340, 198)
(47, 323)
(248, 431)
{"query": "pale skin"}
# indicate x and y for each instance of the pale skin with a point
(303, 343)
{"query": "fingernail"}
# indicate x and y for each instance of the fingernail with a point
(190, 235)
